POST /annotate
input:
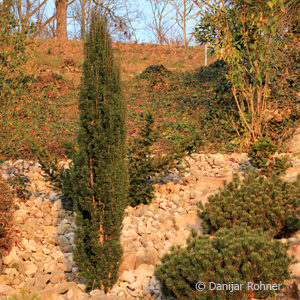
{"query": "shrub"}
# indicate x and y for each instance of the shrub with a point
(141, 164)
(261, 157)
(144, 164)
(6, 206)
(271, 204)
(238, 255)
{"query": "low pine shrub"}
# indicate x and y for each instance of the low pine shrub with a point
(6, 206)
(269, 203)
(240, 258)
(262, 157)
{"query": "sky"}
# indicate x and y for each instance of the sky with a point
(143, 32)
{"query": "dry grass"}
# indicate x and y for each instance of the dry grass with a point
(134, 58)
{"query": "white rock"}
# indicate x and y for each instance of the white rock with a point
(5, 289)
(31, 269)
(56, 206)
(58, 255)
(144, 270)
(11, 257)
(135, 285)
(127, 276)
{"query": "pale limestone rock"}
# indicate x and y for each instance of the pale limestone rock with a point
(129, 260)
(58, 256)
(127, 276)
(46, 251)
(22, 213)
(96, 293)
(6, 289)
(12, 257)
(31, 268)
(144, 270)
(62, 241)
(57, 277)
(188, 221)
(11, 272)
(61, 288)
(56, 206)
(295, 269)
(135, 285)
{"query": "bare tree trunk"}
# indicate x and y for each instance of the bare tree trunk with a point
(184, 23)
(61, 18)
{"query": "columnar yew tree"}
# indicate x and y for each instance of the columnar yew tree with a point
(99, 172)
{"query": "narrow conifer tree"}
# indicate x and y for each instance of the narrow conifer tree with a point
(99, 174)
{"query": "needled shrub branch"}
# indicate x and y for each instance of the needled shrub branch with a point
(269, 203)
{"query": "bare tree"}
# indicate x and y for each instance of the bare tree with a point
(159, 23)
(120, 15)
(184, 13)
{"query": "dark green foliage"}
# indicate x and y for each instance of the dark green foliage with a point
(141, 164)
(98, 175)
(271, 204)
(144, 164)
(155, 69)
(261, 157)
(237, 255)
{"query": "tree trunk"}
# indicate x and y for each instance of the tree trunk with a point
(184, 23)
(61, 18)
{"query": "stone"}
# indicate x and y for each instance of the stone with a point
(144, 270)
(135, 285)
(82, 296)
(294, 143)
(149, 258)
(295, 269)
(129, 260)
(30, 245)
(62, 288)
(127, 276)
(188, 221)
(31, 268)
(56, 206)
(294, 251)
(42, 279)
(11, 257)
(51, 266)
(6, 289)
(63, 241)
(22, 213)
(57, 277)
(58, 256)
(96, 293)
(109, 297)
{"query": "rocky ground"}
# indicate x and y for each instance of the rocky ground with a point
(41, 259)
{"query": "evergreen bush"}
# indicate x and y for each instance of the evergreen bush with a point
(144, 164)
(239, 255)
(262, 157)
(141, 164)
(269, 203)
